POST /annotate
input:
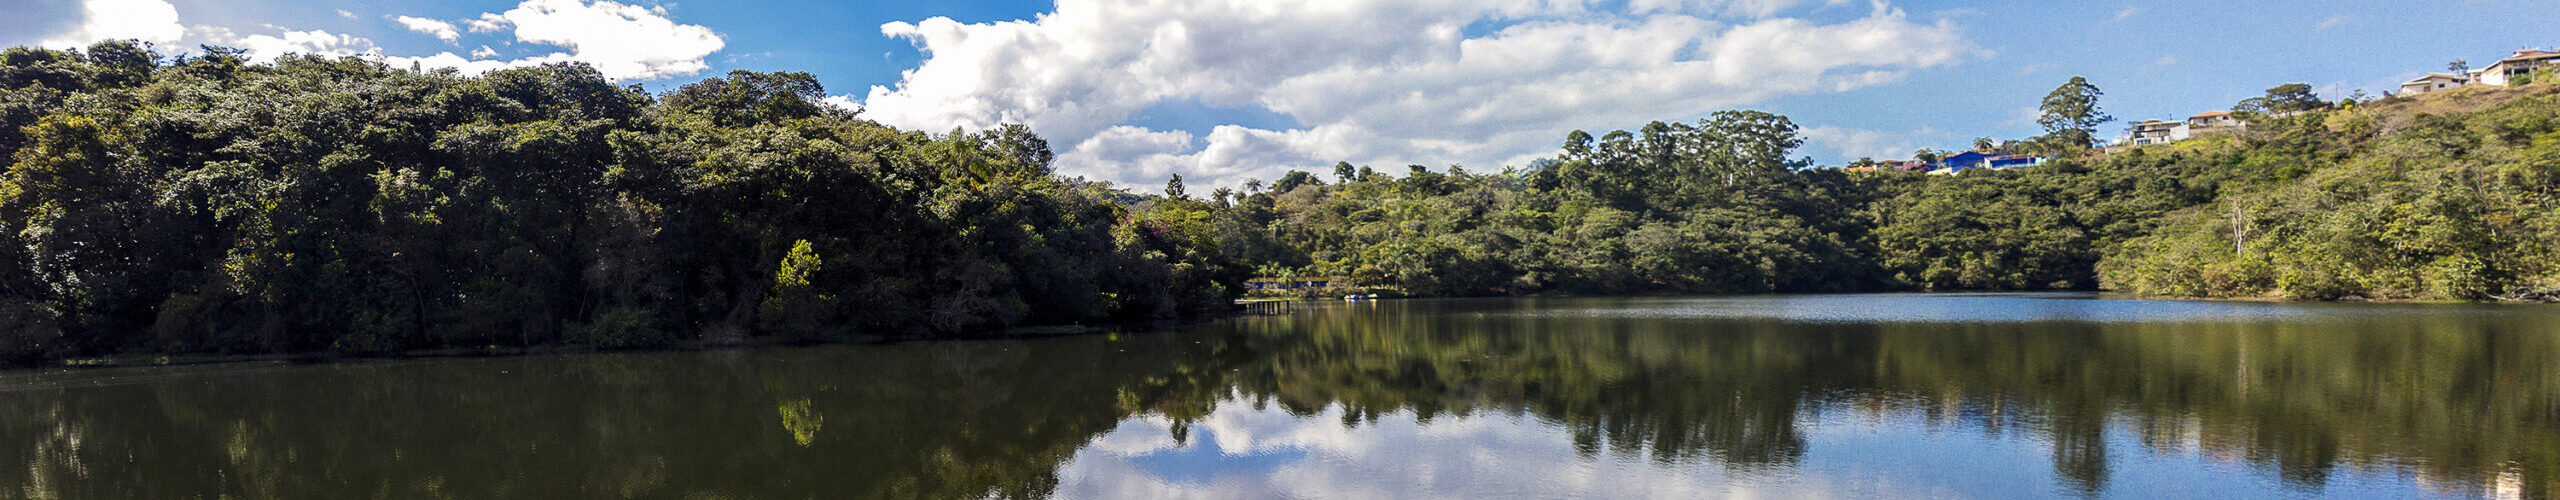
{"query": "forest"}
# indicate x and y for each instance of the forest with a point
(204, 203)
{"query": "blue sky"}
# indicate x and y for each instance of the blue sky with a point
(1225, 90)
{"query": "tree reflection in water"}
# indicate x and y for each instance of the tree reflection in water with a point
(2463, 399)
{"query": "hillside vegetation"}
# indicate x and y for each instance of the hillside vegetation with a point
(2444, 196)
(2440, 197)
(205, 204)
(208, 205)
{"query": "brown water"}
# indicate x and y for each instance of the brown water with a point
(1902, 396)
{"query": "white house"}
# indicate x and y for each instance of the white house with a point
(2433, 82)
(2210, 122)
(2149, 132)
(2524, 61)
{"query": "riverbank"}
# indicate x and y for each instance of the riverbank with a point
(134, 360)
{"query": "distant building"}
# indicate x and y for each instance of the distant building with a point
(2149, 132)
(1267, 283)
(1969, 160)
(2433, 82)
(2212, 122)
(2524, 61)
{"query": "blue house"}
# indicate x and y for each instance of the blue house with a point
(1960, 162)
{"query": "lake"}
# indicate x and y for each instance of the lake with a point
(1891, 395)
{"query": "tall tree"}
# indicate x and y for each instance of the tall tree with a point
(2293, 97)
(1173, 188)
(2071, 113)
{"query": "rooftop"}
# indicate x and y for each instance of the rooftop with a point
(2530, 54)
(2433, 76)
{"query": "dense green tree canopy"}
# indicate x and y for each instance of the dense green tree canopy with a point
(2071, 113)
(201, 203)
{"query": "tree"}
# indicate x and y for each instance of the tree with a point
(2459, 67)
(1292, 180)
(1577, 144)
(2071, 113)
(1985, 144)
(1343, 172)
(1173, 188)
(2293, 98)
(746, 97)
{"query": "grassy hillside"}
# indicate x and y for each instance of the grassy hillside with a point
(2443, 196)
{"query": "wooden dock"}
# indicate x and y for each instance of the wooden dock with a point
(1262, 307)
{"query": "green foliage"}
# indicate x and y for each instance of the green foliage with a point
(1714, 206)
(2446, 207)
(2071, 113)
(206, 204)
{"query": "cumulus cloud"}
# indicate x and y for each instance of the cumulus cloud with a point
(1878, 144)
(152, 21)
(622, 41)
(264, 48)
(487, 23)
(442, 30)
(1379, 81)
(1734, 8)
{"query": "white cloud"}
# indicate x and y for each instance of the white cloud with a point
(2334, 22)
(266, 48)
(841, 102)
(1386, 82)
(1853, 143)
(486, 23)
(442, 30)
(623, 41)
(345, 14)
(2126, 13)
(152, 21)
(1735, 8)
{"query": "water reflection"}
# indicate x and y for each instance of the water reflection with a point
(1877, 395)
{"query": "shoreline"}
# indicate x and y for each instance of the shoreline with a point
(151, 360)
(140, 360)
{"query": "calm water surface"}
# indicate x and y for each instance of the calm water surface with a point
(1901, 396)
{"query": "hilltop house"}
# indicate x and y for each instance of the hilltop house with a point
(1968, 160)
(2524, 61)
(2213, 122)
(2433, 82)
(2149, 132)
